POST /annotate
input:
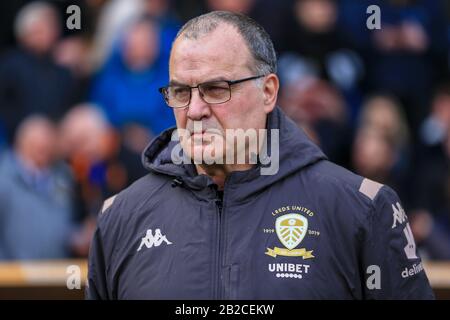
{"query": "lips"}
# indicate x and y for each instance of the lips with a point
(198, 132)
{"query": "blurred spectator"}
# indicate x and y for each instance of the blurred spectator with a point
(162, 12)
(311, 30)
(118, 14)
(102, 162)
(385, 114)
(73, 54)
(320, 109)
(375, 157)
(30, 81)
(75, 51)
(432, 158)
(432, 238)
(262, 11)
(382, 152)
(87, 141)
(407, 55)
(36, 218)
(381, 149)
(435, 126)
(114, 16)
(313, 44)
(127, 87)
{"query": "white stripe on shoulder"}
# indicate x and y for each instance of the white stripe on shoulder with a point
(108, 203)
(370, 188)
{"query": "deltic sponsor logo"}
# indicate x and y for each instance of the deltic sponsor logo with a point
(415, 269)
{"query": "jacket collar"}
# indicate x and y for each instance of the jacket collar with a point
(296, 151)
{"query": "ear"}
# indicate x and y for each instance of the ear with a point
(270, 92)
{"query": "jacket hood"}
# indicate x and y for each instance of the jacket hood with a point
(296, 151)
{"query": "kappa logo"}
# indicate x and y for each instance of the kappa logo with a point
(151, 239)
(400, 217)
(291, 230)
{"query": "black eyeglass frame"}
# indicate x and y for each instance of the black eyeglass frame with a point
(163, 90)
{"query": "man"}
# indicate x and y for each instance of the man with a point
(30, 80)
(36, 217)
(126, 87)
(305, 229)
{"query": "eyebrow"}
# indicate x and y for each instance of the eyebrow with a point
(177, 83)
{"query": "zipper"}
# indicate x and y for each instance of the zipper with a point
(218, 261)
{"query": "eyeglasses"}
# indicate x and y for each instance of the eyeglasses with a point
(212, 92)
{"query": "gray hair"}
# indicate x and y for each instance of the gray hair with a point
(31, 13)
(258, 41)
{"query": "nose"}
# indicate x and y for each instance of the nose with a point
(198, 109)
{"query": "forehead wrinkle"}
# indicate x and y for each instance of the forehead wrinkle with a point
(210, 79)
(212, 55)
(194, 72)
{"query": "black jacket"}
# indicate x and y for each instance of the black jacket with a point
(312, 231)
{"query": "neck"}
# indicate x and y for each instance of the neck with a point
(219, 172)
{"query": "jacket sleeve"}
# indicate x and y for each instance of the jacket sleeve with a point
(391, 265)
(97, 286)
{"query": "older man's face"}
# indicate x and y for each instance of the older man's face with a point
(219, 55)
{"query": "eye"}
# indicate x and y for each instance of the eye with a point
(215, 88)
(179, 91)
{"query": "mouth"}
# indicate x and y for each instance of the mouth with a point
(197, 137)
(203, 137)
(198, 132)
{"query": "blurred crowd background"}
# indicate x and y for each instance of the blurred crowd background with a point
(77, 107)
